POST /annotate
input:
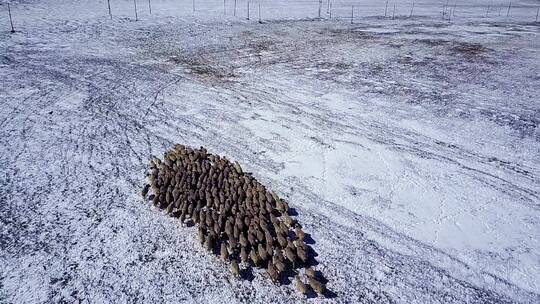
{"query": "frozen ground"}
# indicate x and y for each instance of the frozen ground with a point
(409, 147)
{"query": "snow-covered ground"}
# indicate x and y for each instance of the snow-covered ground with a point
(410, 147)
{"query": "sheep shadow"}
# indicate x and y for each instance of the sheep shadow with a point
(292, 212)
(308, 239)
(247, 274)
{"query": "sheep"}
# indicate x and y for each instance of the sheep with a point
(237, 217)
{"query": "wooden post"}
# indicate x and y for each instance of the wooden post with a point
(135, 4)
(330, 9)
(508, 12)
(234, 11)
(149, 7)
(193, 5)
(260, 21)
(248, 10)
(537, 10)
(412, 8)
(445, 6)
(320, 6)
(385, 9)
(443, 11)
(394, 12)
(10, 19)
(454, 11)
(328, 2)
(327, 6)
(352, 14)
(224, 7)
(109, 5)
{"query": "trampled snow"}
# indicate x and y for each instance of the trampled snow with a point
(409, 146)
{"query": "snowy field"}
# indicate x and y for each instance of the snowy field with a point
(410, 147)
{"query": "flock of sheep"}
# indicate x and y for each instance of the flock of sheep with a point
(236, 216)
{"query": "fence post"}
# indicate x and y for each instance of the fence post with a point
(537, 10)
(394, 12)
(260, 20)
(327, 6)
(149, 7)
(412, 8)
(135, 4)
(248, 10)
(193, 5)
(443, 11)
(10, 20)
(508, 12)
(352, 14)
(454, 11)
(224, 7)
(109, 5)
(500, 8)
(320, 6)
(445, 6)
(234, 11)
(385, 9)
(330, 9)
